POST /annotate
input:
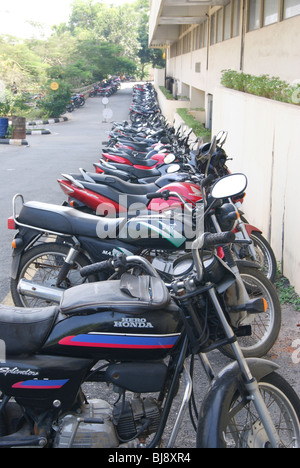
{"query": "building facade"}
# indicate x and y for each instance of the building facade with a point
(202, 38)
(257, 37)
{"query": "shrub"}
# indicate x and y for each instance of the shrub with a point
(54, 103)
(198, 128)
(270, 87)
(166, 93)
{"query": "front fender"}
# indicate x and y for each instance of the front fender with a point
(250, 229)
(222, 390)
(246, 263)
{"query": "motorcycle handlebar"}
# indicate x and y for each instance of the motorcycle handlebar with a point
(165, 194)
(208, 180)
(95, 268)
(209, 240)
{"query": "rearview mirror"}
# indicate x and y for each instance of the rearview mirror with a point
(169, 158)
(173, 168)
(229, 185)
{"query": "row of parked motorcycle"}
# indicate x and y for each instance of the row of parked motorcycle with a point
(106, 88)
(77, 101)
(147, 266)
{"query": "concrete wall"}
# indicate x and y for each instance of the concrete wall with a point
(263, 140)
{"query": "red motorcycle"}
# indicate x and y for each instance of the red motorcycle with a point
(103, 199)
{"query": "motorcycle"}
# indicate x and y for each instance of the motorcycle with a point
(94, 193)
(53, 351)
(54, 242)
(259, 250)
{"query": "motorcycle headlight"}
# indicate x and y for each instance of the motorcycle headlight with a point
(227, 216)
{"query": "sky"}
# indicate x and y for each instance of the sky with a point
(14, 15)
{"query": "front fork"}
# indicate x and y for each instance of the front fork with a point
(68, 264)
(250, 382)
(242, 229)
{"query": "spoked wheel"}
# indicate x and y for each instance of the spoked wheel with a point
(264, 255)
(241, 426)
(265, 326)
(41, 264)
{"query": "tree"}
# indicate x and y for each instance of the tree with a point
(146, 55)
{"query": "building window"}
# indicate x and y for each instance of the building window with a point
(270, 12)
(236, 9)
(253, 15)
(196, 34)
(219, 18)
(213, 29)
(227, 21)
(291, 8)
(186, 43)
(205, 27)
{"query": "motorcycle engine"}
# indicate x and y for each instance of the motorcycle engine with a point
(100, 426)
(92, 428)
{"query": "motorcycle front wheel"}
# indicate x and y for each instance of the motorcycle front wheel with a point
(41, 264)
(241, 427)
(264, 255)
(265, 326)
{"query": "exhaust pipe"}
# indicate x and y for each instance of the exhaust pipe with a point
(29, 288)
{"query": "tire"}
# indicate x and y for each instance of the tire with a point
(240, 426)
(264, 255)
(266, 325)
(32, 266)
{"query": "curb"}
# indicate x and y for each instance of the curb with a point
(38, 132)
(9, 141)
(50, 121)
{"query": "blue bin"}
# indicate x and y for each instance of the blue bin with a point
(3, 127)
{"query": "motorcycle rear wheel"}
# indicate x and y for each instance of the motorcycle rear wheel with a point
(240, 425)
(266, 325)
(42, 264)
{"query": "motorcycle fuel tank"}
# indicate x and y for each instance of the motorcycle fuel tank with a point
(128, 319)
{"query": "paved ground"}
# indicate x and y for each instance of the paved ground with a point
(33, 171)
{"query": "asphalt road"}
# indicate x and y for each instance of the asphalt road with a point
(33, 171)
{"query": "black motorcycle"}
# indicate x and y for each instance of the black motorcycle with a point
(53, 242)
(144, 333)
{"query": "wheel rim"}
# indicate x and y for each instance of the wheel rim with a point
(262, 256)
(43, 269)
(245, 430)
(262, 324)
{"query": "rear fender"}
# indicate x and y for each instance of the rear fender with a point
(24, 238)
(220, 395)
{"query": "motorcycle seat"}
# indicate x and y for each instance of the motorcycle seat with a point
(24, 331)
(138, 145)
(134, 171)
(132, 159)
(111, 170)
(119, 184)
(132, 294)
(65, 220)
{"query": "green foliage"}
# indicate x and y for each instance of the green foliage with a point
(14, 104)
(166, 93)
(98, 40)
(286, 292)
(198, 128)
(54, 103)
(263, 85)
